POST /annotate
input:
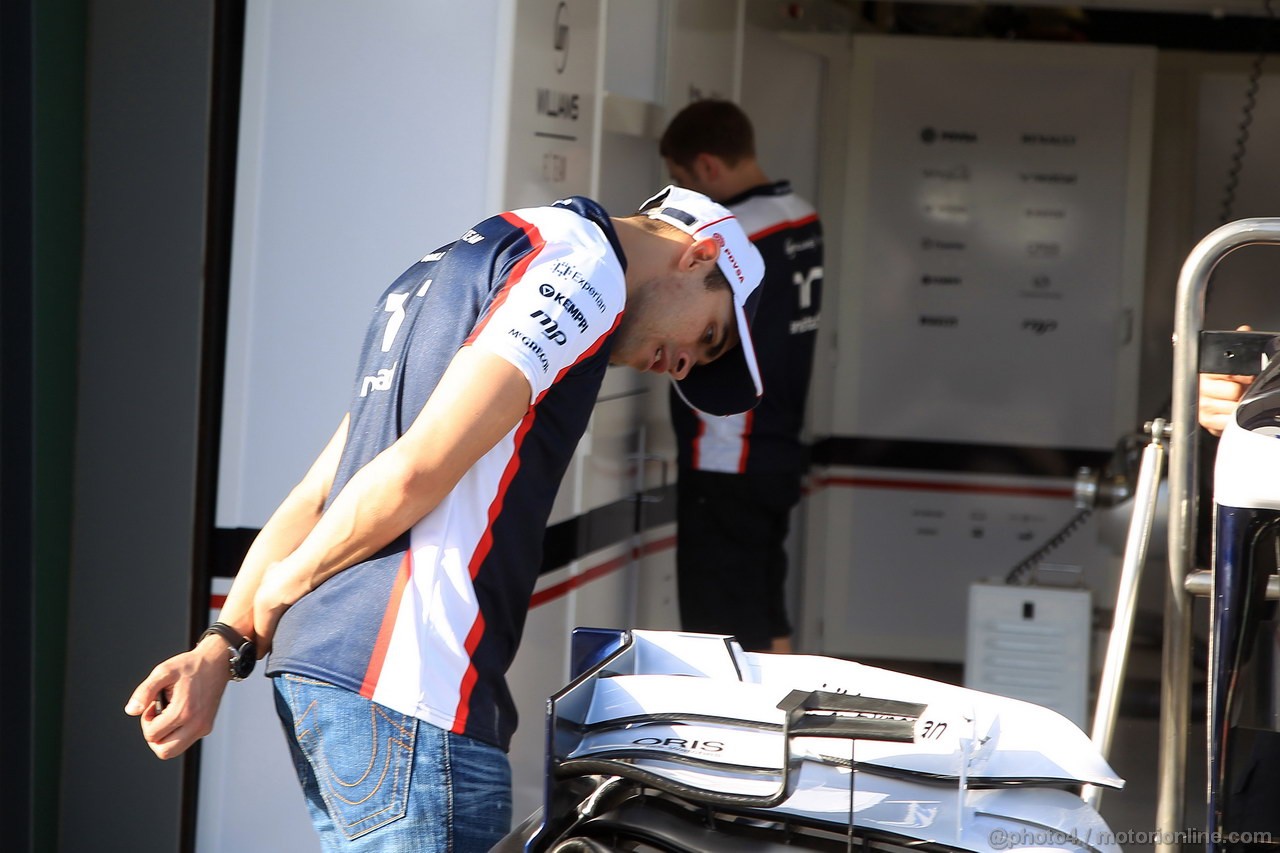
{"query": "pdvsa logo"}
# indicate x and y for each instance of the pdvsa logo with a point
(560, 38)
(733, 262)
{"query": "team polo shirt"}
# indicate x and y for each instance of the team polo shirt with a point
(786, 230)
(429, 625)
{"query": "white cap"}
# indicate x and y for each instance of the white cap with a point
(730, 384)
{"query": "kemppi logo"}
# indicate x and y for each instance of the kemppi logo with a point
(574, 312)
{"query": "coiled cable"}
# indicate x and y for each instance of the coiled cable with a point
(1246, 119)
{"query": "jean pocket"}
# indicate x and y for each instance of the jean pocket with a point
(361, 753)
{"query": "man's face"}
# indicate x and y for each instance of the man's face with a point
(674, 324)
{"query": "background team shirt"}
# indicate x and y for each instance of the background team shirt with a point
(786, 230)
(429, 625)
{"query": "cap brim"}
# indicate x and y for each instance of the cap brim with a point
(730, 385)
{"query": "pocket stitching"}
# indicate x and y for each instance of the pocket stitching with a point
(401, 741)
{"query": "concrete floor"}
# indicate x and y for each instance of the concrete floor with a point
(1135, 754)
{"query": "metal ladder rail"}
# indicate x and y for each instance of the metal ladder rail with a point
(1175, 698)
(1141, 523)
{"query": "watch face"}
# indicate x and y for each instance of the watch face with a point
(244, 660)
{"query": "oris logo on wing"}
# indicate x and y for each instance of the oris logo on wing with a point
(682, 743)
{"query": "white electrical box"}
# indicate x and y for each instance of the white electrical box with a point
(1031, 643)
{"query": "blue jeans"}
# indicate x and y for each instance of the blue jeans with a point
(378, 780)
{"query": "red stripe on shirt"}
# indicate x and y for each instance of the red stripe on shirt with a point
(534, 236)
(697, 443)
(495, 509)
(379, 656)
(587, 353)
(782, 226)
(486, 542)
(477, 559)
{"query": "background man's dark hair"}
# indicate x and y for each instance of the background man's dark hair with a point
(708, 127)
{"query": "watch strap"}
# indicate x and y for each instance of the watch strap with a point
(233, 637)
(244, 652)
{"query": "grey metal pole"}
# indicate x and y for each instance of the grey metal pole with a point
(1145, 497)
(1176, 677)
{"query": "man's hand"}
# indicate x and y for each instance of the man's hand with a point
(189, 687)
(1219, 396)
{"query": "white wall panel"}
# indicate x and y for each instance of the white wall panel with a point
(1002, 222)
(366, 140)
(364, 144)
(704, 52)
(552, 141)
(991, 243)
(782, 91)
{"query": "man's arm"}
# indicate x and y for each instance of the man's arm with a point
(192, 682)
(480, 398)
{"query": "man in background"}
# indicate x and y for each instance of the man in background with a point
(740, 476)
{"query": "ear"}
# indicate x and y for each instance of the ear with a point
(707, 168)
(702, 252)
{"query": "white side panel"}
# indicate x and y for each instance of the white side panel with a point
(364, 142)
(999, 231)
(704, 51)
(990, 247)
(782, 92)
(552, 136)
(905, 547)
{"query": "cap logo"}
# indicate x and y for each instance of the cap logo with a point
(724, 247)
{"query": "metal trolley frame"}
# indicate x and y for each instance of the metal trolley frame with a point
(1185, 580)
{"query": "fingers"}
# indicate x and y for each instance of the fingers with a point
(189, 687)
(172, 732)
(1221, 388)
(146, 693)
(1219, 396)
(186, 719)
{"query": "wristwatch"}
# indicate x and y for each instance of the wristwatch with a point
(244, 652)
